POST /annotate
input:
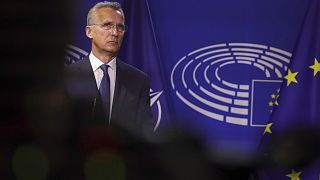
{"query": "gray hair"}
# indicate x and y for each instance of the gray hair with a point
(105, 4)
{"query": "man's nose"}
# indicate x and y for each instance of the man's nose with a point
(114, 31)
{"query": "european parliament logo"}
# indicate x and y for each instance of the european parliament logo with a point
(74, 54)
(235, 83)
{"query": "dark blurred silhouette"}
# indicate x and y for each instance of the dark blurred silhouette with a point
(294, 147)
(34, 34)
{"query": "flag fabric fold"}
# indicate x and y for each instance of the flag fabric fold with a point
(140, 48)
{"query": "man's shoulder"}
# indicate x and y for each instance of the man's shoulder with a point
(130, 70)
(78, 64)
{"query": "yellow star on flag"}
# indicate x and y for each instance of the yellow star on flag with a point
(294, 175)
(268, 128)
(270, 103)
(291, 77)
(273, 96)
(315, 67)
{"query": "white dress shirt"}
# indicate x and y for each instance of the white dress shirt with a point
(98, 74)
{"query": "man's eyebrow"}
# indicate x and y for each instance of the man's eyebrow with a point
(106, 22)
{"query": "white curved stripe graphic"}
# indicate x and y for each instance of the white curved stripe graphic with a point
(249, 45)
(174, 68)
(237, 102)
(241, 102)
(183, 74)
(245, 58)
(205, 75)
(208, 47)
(219, 60)
(278, 73)
(245, 62)
(227, 63)
(216, 56)
(225, 91)
(259, 66)
(265, 63)
(247, 50)
(241, 111)
(234, 86)
(194, 74)
(209, 103)
(246, 54)
(216, 73)
(217, 97)
(238, 121)
(268, 75)
(243, 94)
(281, 51)
(272, 60)
(244, 87)
(286, 60)
(212, 52)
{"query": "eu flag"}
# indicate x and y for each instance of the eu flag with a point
(292, 130)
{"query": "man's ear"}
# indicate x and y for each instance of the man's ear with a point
(89, 32)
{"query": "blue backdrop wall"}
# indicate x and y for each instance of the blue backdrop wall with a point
(215, 66)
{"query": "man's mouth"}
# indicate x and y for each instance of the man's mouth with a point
(112, 42)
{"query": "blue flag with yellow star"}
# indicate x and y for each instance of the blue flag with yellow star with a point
(291, 141)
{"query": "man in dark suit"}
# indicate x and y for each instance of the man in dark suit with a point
(104, 89)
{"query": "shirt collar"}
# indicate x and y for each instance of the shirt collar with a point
(96, 63)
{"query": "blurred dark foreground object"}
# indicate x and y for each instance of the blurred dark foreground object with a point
(33, 117)
(297, 148)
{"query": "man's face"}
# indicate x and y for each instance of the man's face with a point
(103, 40)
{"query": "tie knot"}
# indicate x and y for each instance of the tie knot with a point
(104, 68)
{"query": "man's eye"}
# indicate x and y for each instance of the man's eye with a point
(107, 25)
(121, 27)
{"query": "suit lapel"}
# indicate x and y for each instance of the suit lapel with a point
(90, 82)
(120, 90)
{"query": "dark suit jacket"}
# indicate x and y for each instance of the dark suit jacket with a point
(131, 103)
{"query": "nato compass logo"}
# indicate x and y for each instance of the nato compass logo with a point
(74, 54)
(231, 82)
